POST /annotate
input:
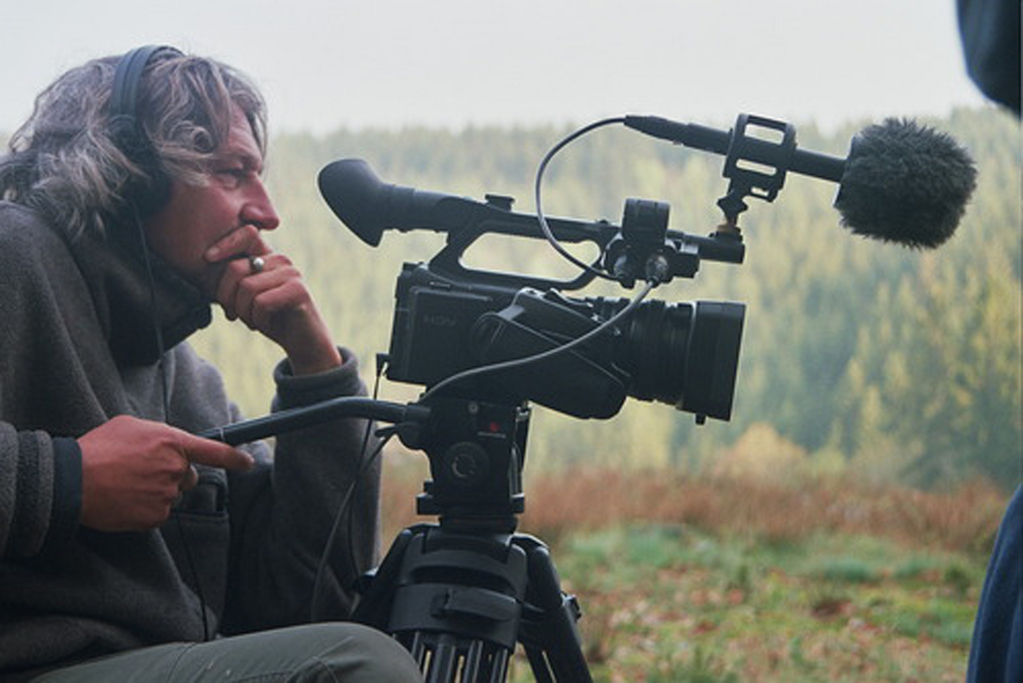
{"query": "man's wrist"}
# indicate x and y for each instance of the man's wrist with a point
(294, 390)
(314, 363)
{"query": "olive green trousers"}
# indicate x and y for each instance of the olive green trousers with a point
(328, 653)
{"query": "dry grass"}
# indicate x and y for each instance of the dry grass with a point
(772, 581)
(964, 519)
(586, 499)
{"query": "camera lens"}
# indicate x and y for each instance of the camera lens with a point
(684, 354)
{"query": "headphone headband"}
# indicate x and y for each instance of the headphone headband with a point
(151, 189)
(127, 79)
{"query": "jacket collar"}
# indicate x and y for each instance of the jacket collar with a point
(143, 307)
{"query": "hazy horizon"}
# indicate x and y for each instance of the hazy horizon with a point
(325, 65)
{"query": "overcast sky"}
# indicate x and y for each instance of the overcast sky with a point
(324, 64)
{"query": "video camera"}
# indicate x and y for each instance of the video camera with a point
(508, 338)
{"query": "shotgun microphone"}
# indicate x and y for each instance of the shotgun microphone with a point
(901, 182)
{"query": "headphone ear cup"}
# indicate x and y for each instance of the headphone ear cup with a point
(146, 193)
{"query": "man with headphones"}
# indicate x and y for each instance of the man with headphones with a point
(130, 549)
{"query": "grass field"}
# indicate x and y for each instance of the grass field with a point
(727, 580)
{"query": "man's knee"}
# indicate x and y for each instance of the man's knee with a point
(360, 654)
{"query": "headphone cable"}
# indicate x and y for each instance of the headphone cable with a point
(165, 396)
(344, 512)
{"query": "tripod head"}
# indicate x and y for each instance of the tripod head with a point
(476, 452)
(476, 449)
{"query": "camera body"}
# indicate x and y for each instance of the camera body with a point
(683, 354)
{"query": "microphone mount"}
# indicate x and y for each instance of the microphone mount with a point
(759, 152)
(755, 167)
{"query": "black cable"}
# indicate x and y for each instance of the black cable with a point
(157, 329)
(345, 512)
(165, 394)
(548, 233)
(536, 358)
(365, 444)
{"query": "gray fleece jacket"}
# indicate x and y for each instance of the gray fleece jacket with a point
(77, 347)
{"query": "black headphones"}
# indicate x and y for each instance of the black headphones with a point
(144, 196)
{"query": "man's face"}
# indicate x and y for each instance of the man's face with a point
(196, 217)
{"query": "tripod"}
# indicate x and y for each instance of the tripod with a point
(460, 594)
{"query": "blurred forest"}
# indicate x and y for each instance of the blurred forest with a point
(858, 358)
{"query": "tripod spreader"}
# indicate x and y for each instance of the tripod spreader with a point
(460, 600)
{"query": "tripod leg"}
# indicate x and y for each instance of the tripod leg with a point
(446, 658)
(453, 599)
(548, 629)
(444, 662)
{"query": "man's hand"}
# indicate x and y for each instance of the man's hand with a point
(273, 300)
(134, 470)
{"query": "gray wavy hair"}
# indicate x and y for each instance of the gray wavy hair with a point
(65, 161)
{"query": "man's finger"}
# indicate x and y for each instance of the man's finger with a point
(190, 479)
(242, 241)
(215, 454)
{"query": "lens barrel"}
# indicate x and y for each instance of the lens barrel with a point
(684, 354)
